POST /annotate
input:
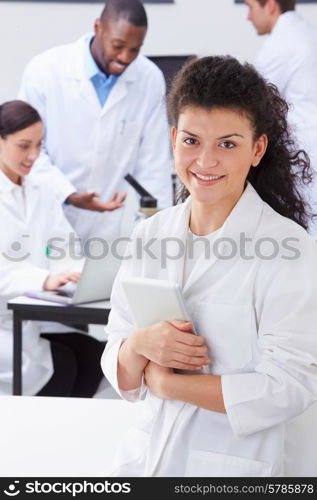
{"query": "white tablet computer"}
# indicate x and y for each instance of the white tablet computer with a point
(153, 300)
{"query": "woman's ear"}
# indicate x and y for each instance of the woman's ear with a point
(260, 146)
(173, 137)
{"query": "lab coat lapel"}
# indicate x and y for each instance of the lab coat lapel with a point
(31, 198)
(175, 235)
(243, 220)
(121, 88)
(76, 72)
(201, 267)
(118, 92)
(88, 93)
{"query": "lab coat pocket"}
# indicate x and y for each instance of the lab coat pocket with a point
(227, 329)
(209, 464)
(130, 456)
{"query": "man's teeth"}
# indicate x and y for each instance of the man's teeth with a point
(208, 177)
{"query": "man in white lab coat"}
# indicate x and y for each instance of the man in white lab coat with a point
(288, 58)
(103, 107)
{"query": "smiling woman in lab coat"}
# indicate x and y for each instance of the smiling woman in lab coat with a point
(30, 215)
(253, 301)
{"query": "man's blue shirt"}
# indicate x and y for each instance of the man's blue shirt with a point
(102, 83)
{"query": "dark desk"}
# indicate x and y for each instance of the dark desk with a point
(26, 308)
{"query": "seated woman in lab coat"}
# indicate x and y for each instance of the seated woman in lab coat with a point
(253, 300)
(53, 364)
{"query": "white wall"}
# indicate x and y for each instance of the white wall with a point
(186, 27)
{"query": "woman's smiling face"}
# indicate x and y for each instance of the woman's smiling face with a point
(213, 152)
(18, 151)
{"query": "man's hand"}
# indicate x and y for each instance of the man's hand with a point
(54, 281)
(89, 201)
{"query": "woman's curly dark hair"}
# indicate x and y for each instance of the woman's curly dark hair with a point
(222, 82)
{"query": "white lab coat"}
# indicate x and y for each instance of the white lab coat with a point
(27, 223)
(288, 58)
(259, 319)
(94, 147)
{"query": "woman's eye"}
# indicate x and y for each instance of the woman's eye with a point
(190, 140)
(227, 144)
(23, 147)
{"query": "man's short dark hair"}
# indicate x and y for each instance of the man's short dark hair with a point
(131, 11)
(285, 5)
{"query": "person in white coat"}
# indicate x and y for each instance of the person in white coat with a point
(288, 58)
(253, 300)
(103, 105)
(33, 229)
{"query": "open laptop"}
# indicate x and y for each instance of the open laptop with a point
(95, 283)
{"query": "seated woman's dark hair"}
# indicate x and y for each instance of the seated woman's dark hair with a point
(15, 116)
(222, 82)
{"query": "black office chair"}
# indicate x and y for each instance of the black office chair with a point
(169, 65)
